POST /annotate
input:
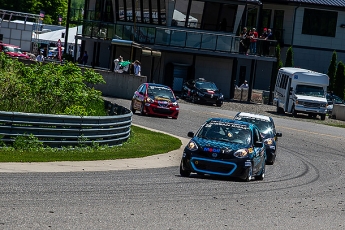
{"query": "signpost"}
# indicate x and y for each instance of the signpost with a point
(59, 50)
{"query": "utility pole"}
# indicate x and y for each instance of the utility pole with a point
(67, 25)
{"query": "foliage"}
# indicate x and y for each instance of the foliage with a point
(289, 57)
(52, 8)
(332, 70)
(140, 144)
(49, 89)
(279, 60)
(27, 142)
(339, 81)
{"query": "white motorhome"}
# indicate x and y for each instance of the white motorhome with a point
(301, 91)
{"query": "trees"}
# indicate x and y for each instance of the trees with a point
(332, 70)
(339, 81)
(289, 58)
(52, 8)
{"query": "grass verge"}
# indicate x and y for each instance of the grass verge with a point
(141, 143)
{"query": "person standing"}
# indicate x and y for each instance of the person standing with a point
(137, 68)
(244, 85)
(40, 57)
(244, 39)
(253, 39)
(263, 41)
(85, 57)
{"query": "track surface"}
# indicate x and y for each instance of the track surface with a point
(304, 189)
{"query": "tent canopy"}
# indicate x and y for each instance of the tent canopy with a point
(54, 36)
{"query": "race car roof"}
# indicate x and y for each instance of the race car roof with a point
(258, 116)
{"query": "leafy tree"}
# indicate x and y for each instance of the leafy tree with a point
(52, 8)
(332, 70)
(339, 81)
(289, 58)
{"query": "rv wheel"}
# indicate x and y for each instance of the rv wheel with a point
(293, 111)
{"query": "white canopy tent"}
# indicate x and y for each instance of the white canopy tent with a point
(54, 36)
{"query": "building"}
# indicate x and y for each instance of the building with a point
(177, 40)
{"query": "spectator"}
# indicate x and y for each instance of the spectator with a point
(253, 39)
(85, 57)
(244, 85)
(244, 41)
(263, 41)
(40, 57)
(268, 41)
(137, 68)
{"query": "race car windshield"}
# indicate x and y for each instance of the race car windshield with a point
(206, 85)
(226, 134)
(309, 90)
(265, 126)
(160, 92)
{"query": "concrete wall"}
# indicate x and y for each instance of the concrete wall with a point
(338, 112)
(119, 85)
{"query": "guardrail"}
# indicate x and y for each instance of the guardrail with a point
(64, 130)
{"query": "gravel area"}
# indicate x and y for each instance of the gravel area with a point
(270, 110)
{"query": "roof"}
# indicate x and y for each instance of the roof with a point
(256, 116)
(335, 3)
(54, 36)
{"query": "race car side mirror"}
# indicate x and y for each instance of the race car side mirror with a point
(190, 134)
(258, 144)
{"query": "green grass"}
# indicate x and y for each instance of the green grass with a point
(141, 143)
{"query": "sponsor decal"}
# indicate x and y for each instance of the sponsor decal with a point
(250, 150)
(211, 150)
(214, 155)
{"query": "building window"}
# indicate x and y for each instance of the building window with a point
(319, 22)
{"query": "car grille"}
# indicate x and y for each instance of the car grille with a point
(163, 104)
(208, 97)
(311, 104)
(162, 111)
(213, 167)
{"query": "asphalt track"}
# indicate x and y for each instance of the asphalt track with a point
(304, 189)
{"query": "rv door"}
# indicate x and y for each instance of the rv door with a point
(289, 98)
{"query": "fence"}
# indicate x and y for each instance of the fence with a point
(64, 130)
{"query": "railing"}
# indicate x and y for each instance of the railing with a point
(213, 42)
(63, 130)
(177, 37)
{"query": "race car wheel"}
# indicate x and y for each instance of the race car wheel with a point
(183, 171)
(219, 104)
(193, 99)
(293, 111)
(249, 174)
(142, 112)
(323, 117)
(262, 174)
(131, 108)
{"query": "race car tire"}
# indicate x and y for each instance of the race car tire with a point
(183, 171)
(293, 111)
(261, 176)
(323, 116)
(249, 174)
(131, 108)
(219, 104)
(142, 112)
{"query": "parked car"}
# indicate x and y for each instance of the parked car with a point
(202, 91)
(267, 130)
(333, 99)
(13, 51)
(155, 99)
(225, 147)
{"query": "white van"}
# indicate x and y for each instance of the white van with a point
(301, 91)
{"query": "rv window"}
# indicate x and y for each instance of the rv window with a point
(308, 90)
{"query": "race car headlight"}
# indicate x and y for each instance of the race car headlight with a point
(150, 100)
(221, 96)
(241, 153)
(175, 103)
(268, 141)
(192, 146)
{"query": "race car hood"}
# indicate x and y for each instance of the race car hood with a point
(311, 98)
(216, 145)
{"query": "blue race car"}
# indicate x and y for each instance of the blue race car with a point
(225, 147)
(267, 130)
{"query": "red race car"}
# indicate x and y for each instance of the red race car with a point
(155, 99)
